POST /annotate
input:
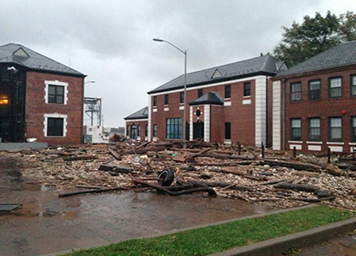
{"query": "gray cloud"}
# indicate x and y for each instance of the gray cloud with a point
(111, 41)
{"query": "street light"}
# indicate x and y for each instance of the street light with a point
(185, 84)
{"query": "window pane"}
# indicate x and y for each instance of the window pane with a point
(335, 82)
(51, 89)
(335, 122)
(60, 90)
(314, 122)
(296, 123)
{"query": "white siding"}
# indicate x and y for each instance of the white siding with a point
(260, 111)
(276, 115)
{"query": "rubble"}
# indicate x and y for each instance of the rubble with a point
(231, 171)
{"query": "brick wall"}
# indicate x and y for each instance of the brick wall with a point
(324, 108)
(241, 112)
(36, 108)
(143, 124)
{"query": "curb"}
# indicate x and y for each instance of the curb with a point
(279, 245)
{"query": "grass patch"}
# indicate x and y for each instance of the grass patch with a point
(203, 241)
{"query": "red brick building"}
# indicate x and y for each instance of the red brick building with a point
(314, 103)
(227, 104)
(39, 98)
(137, 125)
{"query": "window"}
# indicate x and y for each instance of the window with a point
(227, 91)
(128, 130)
(314, 129)
(314, 90)
(295, 91)
(353, 85)
(55, 126)
(146, 130)
(166, 99)
(154, 100)
(181, 97)
(174, 128)
(227, 131)
(353, 127)
(133, 132)
(138, 130)
(335, 129)
(200, 93)
(56, 94)
(155, 130)
(296, 129)
(335, 85)
(247, 89)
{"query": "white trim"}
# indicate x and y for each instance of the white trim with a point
(191, 123)
(207, 123)
(335, 143)
(295, 141)
(336, 149)
(209, 85)
(260, 110)
(352, 149)
(352, 143)
(246, 97)
(154, 110)
(228, 142)
(315, 142)
(276, 115)
(149, 119)
(246, 102)
(181, 107)
(166, 109)
(297, 147)
(136, 120)
(55, 115)
(227, 103)
(314, 148)
(56, 82)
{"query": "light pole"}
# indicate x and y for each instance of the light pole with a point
(185, 86)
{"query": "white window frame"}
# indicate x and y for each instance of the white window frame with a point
(55, 115)
(58, 83)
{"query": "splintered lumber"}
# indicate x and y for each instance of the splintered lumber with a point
(90, 191)
(273, 182)
(299, 187)
(210, 191)
(114, 154)
(220, 184)
(334, 170)
(115, 169)
(226, 156)
(76, 158)
(312, 200)
(294, 165)
(224, 164)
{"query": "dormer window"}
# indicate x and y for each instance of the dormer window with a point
(216, 74)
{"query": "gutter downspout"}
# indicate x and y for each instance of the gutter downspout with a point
(284, 81)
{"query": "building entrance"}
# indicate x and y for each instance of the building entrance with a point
(198, 130)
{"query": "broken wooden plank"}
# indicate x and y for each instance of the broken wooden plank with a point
(91, 191)
(115, 169)
(114, 154)
(294, 165)
(77, 158)
(299, 187)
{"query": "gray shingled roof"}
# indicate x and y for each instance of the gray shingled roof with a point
(265, 65)
(23, 56)
(141, 114)
(209, 98)
(341, 55)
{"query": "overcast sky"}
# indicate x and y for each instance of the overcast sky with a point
(111, 41)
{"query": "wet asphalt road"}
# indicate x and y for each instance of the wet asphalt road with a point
(46, 224)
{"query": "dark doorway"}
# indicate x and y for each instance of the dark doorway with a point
(198, 130)
(12, 104)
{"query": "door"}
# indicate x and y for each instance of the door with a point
(198, 130)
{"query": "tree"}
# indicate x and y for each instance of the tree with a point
(312, 37)
(348, 26)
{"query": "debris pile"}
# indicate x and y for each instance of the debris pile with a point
(251, 174)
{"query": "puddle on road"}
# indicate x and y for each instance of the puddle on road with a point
(49, 224)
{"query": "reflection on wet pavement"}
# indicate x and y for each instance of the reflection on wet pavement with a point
(47, 224)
